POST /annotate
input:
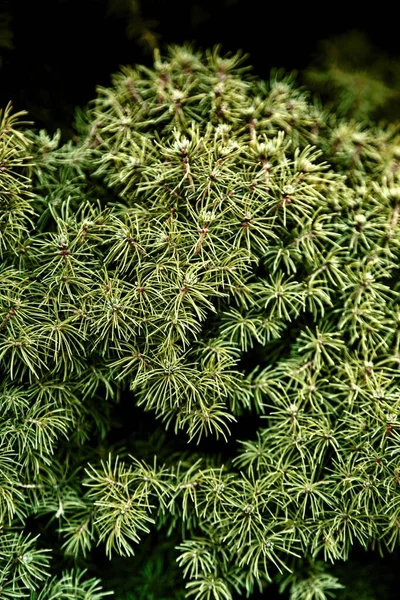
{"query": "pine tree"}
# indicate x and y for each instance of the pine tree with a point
(213, 248)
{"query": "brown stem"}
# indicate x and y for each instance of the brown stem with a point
(186, 166)
(252, 131)
(199, 244)
(266, 167)
(395, 217)
(304, 367)
(8, 316)
(134, 93)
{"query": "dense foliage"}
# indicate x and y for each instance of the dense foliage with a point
(211, 249)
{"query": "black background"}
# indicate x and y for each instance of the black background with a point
(64, 48)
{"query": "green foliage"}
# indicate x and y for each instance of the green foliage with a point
(213, 248)
(311, 582)
(362, 80)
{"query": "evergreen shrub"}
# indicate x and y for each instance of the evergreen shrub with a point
(199, 338)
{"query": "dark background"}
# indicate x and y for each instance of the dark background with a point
(63, 48)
